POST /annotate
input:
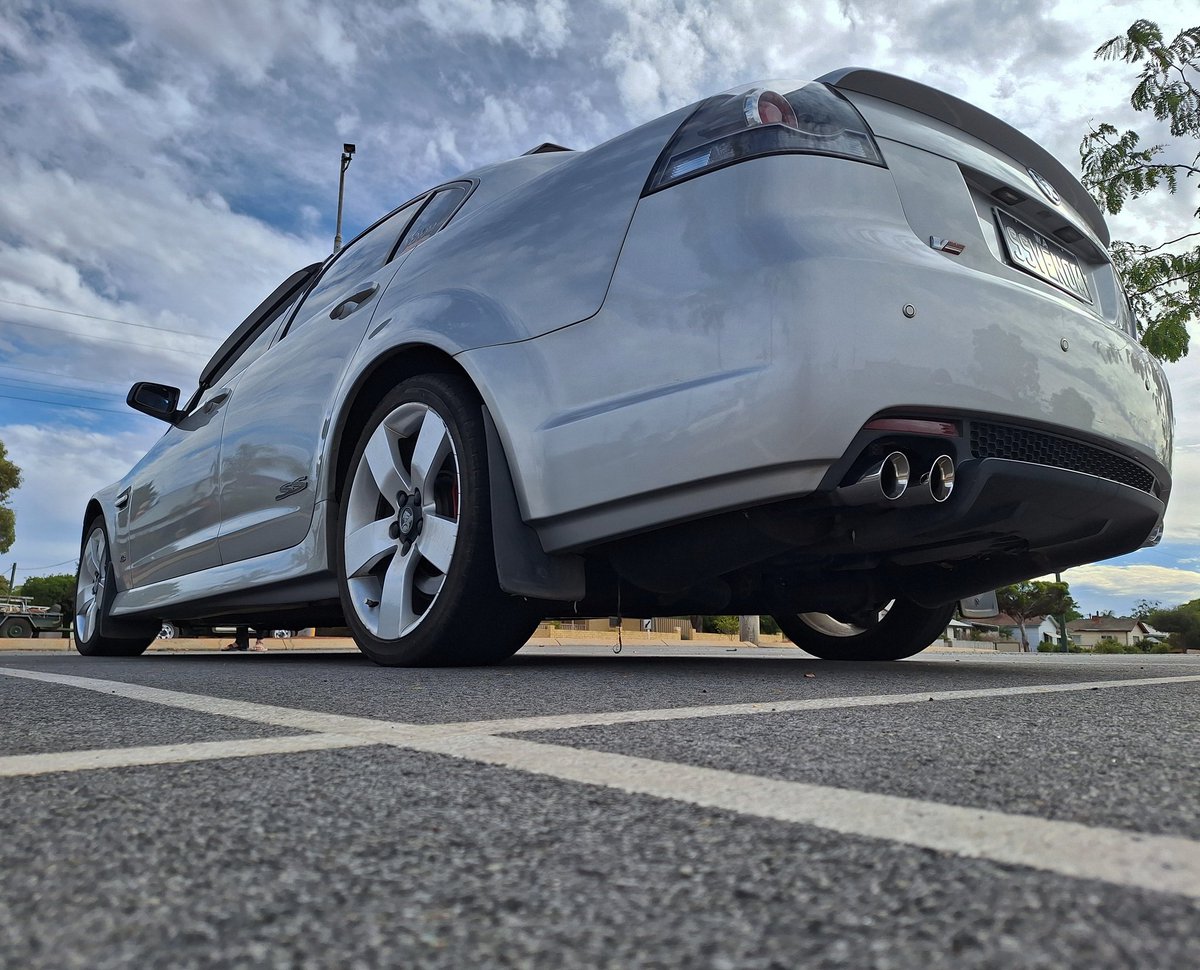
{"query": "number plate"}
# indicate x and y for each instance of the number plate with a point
(1029, 250)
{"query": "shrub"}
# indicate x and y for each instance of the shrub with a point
(1109, 645)
(1163, 647)
(721, 624)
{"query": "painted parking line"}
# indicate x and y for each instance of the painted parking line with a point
(553, 722)
(166, 754)
(1155, 862)
(388, 731)
(1133, 860)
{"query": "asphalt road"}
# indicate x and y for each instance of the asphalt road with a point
(575, 808)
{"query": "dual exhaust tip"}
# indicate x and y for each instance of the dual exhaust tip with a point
(891, 481)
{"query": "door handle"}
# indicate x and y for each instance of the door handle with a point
(350, 304)
(216, 401)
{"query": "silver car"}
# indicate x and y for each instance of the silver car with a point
(841, 352)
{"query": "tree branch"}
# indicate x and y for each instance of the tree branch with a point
(1169, 242)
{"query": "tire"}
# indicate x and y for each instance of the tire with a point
(169, 631)
(415, 562)
(95, 590)
(18, 627)
(905, 629)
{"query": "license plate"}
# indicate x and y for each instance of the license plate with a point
(1029, 250)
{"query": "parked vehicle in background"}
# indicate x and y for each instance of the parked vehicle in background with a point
(19, 617)
(841, 352)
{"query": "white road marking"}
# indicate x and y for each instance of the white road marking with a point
(552, 722)
(387, 731)
(165, 754)
(1155, 862)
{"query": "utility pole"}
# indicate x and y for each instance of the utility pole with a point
(347, 154)
(1063, 647)
(748, 629)
(12, 580)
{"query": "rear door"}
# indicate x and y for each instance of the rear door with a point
(274, 429)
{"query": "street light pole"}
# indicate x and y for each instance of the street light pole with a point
(1062, 624)
(347, 154)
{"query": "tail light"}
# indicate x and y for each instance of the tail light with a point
(745, 123)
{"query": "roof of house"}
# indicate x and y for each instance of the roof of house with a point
(1105, 624)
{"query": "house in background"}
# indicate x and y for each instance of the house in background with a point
(1038, 629)
(1125, 630)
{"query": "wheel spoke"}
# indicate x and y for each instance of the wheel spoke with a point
(382, 459)
(366, 547)
(437, 541)
(396, 598)
(433, 441)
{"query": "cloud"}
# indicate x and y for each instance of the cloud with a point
(244, 39)
(1137, 581)
(539, 26)
(61, 465)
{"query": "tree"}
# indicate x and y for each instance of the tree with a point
(1162, 280)
(1034, 598)
(1143, 608)
(10, 479)
(50, 590)
(1182, 622)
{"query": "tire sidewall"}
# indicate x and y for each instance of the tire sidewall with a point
(900, 634)
(96, 645)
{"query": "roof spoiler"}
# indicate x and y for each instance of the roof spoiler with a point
(546, 146)
(977, 122)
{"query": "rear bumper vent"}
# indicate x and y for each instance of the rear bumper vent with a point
(1021, 444)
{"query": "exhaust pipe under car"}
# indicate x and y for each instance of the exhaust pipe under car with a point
(941, 478)
(885, 481)
(935, 486)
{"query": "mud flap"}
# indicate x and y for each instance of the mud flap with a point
(522, 566)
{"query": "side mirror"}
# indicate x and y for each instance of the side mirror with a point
(157, 400)
(980, 606)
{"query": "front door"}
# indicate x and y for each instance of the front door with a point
(171, 510)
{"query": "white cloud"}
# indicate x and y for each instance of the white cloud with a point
(540, 25)
(1139, 581)
(61, 465)
(245, 39)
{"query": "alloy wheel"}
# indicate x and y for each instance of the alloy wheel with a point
(89, 588)
(402, 520)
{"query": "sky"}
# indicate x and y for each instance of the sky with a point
(163, 166)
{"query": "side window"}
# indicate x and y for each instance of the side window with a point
(435, 215)
(257, 345)
(358, 260)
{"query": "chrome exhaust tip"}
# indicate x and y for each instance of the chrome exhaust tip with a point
(941, 478)
(883, 482)
(893, 475)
